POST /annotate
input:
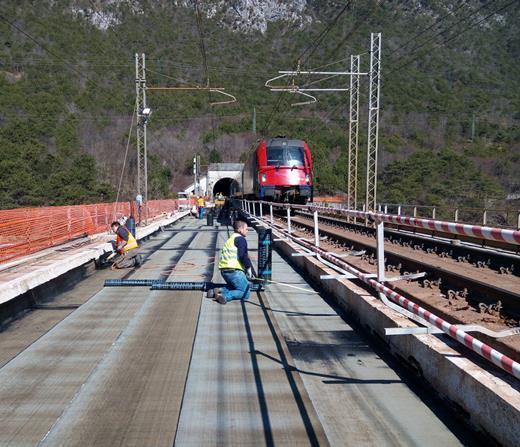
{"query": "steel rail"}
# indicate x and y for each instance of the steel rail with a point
(429, 238)
(487, 352)
(475, 231)
(488, 293)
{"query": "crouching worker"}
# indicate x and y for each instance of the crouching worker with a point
(126, 246)
(234, 264)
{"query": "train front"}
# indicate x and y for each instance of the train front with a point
(285, 171)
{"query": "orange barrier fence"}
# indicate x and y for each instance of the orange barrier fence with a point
(27, 230)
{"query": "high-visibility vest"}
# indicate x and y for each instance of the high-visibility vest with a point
(229, 255)
(130, 244)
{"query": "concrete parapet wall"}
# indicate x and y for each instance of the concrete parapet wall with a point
(490, 400)
(45, 270)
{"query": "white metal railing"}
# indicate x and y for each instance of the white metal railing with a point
(501, 217)
(455, 228)
(404, 306)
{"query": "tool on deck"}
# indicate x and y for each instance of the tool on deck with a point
(159, 284)
(288, 285)
(265, 239)
(109, 257)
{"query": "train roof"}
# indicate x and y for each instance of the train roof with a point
(279, 141)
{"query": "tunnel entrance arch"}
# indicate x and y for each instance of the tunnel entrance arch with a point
(224, 178)
(226, 186)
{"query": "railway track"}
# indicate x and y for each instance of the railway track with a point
(462, 294)
(505, 260)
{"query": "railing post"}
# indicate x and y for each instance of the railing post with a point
(399, 210)
(456, 215)
(69, 223)
(484, 217)
(433, 213)
(518, 220)
(414, 211)
(386, 209)
(25, 228)
(271, 212)
(380, 251)
(316, 230)
(289, 219)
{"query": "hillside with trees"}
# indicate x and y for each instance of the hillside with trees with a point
(450, 117)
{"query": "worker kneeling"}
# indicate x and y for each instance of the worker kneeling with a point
(234, 264)
(126, 246)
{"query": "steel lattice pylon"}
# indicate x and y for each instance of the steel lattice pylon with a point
(353, 133)
(373, 121)
(142, 163)
(142, 156)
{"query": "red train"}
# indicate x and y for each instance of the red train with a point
(280, 170)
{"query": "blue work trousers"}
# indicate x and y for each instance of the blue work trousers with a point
(201, 212)
(237, 285)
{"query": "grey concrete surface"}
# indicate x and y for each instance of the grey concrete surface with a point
(235, 394)
(361, 401)
(134, 367)
(61, 298)
(134, 396)
(44, 382)
(38, 384)
(488, 398)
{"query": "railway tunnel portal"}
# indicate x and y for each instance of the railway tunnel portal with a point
(224, 178)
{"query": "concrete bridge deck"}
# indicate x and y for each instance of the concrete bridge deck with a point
(135, 367)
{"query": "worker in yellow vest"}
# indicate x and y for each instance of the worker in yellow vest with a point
(235, 266)
(201, 204)
(126, 246)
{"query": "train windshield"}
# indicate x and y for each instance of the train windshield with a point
(285, 156)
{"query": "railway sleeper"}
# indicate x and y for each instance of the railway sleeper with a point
(450, 282)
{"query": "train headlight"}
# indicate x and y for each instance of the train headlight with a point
(307, 178)
(264, 177)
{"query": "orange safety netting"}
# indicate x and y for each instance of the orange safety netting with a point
(27, 230)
